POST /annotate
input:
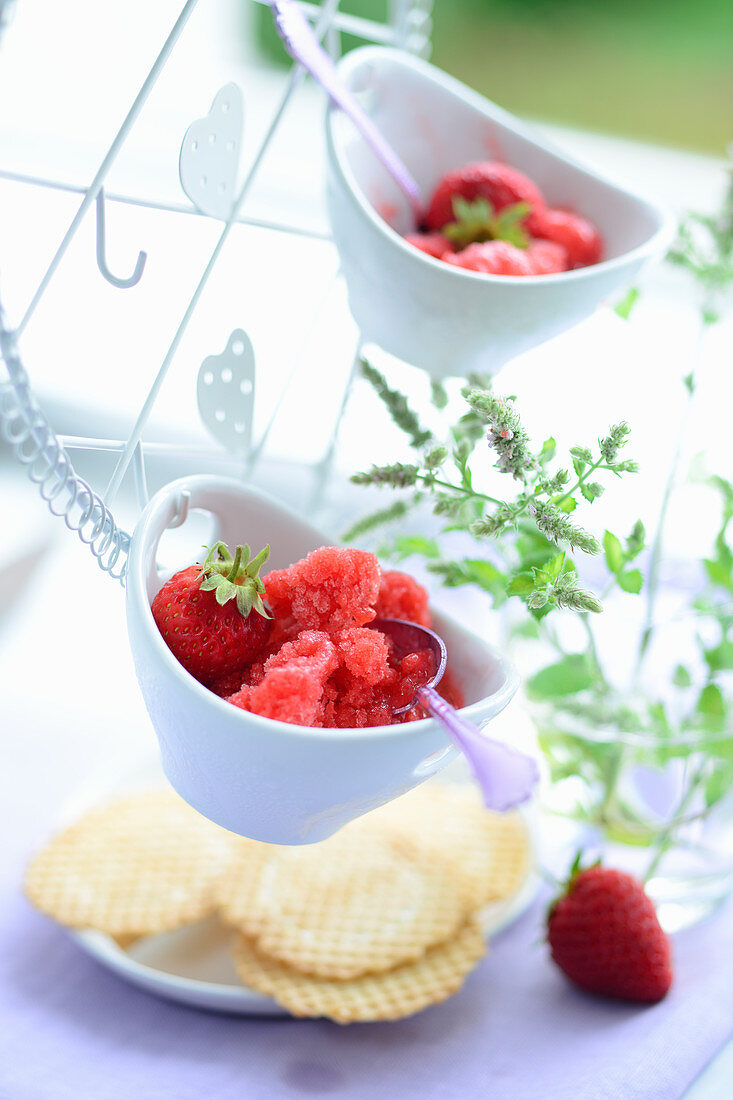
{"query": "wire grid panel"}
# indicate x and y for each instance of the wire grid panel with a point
(24, 425)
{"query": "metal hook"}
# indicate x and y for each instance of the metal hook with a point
(123, 284)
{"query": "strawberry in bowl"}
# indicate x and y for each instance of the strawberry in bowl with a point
(307, 655)
(491, 218)
(455, 306)
(276, 779)
(212, 616)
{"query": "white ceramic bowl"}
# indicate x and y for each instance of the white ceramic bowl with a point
(444, 319)
(268, 780)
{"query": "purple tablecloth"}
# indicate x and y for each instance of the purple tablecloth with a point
(69, 1030)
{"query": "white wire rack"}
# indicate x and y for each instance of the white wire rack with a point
(35, 444)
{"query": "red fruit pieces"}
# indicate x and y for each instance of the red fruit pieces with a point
(415, 670)
(330, 589)
(501, 184)
(229, 683)
(547, 257)
(435, 244)
(360, 689)
(493, 258)
(357, 705)
(312, 649)
(290, 694)
(605, 936)
(294, 679)
(209, 639)
(401, 597)
(575, 233)
(364, 655)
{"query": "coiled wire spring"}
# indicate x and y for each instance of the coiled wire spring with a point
(36, 446)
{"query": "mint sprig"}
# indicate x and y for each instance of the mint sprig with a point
(524, 539)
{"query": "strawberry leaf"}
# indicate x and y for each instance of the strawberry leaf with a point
(236, 578)
(478, 221)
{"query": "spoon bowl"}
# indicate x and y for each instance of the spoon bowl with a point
(269, 780)
(410, 637)
(506, 777)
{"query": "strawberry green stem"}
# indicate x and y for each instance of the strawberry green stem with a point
(236, 578)
(232, 574)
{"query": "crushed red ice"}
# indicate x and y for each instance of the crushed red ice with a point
(324, 666)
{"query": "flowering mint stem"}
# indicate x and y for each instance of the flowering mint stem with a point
(456, 488)
(599, 465)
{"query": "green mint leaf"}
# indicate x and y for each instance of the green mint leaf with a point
(719, 572)
(716, 786)
(567, 677)
(711, 702)
(470, 571)
(613, 553)
(631, 581)
(405, 546)
(438, 394)
(521, 585)
(548, 449)
(720, 658)
(623, 308)
(681, 677)
(636, 541)
(555, 566)
(579, 464)
(591, 490)
(483, 573)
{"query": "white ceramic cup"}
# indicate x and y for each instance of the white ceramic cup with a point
(269, 780)
(447, 320)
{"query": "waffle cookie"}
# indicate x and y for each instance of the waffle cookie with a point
(389, 995)
(142, 864)
(358, 903)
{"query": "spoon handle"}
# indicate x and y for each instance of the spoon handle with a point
(302, 45)
(505, 775)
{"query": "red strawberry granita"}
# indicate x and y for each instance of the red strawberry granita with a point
(321, 665)
(490, 218)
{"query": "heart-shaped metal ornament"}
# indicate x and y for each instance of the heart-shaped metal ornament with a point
(209, 156)
(226, 393)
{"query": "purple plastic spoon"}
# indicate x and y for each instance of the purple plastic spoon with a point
(302, 45)
(506, 777)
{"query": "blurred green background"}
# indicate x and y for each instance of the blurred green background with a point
(656, 70)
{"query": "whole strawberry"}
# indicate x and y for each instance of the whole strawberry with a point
(604, 935)
(499, 184)
(577, 235)
(212, 616)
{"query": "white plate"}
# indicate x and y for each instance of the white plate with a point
(193, 965)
